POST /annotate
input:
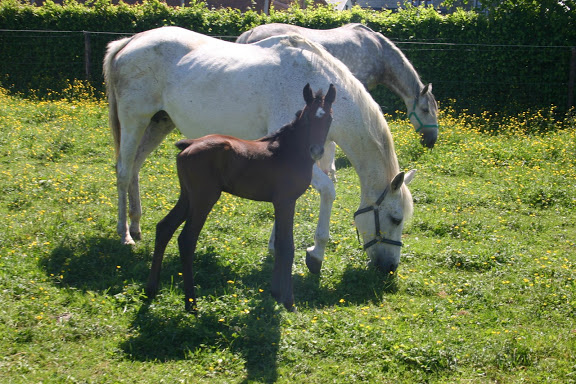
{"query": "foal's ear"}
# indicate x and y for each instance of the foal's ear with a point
(330, 95)
(308, 94)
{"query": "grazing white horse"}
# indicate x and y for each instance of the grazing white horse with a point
(374, 60)
(171, 77)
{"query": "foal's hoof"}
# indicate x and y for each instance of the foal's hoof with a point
(314, 265)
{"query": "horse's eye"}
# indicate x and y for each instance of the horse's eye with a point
(395, 220)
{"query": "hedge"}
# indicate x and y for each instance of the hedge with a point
(499, 62)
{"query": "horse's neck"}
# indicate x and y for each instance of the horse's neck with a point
(375, 165)
(398, 74)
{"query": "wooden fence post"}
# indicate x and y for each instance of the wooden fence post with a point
(87, 55)
(572, 78)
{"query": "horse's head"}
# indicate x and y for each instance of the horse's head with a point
(380, 224)
(318, 115)
(424, 116)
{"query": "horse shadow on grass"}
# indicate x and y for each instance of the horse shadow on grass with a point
(358, 285)
(165, 332)
(162, 331)
(96, 264)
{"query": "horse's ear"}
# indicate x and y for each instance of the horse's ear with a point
(398, 181)
(426, 89)
(409, 176)
(308, 94)
(330, 95)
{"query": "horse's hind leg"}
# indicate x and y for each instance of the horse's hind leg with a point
(131, 136)
(159, 127)
(200, 207)
(164, 231)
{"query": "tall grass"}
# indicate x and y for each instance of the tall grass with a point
(485, 291)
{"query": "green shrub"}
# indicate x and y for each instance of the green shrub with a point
(485, 62)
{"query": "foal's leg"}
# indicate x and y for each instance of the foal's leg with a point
(315, 254)
(281, 285)
(197, 214)
(160, 126)
(164, 231)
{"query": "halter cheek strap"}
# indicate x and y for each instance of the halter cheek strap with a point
(413, 113)
(376, 208)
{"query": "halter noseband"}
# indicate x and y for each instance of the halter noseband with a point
(375, 208)
(413, 113)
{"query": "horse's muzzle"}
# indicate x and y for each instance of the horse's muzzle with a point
(316, 152)
(429, 137)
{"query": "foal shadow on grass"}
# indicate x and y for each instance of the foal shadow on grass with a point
(163, 331)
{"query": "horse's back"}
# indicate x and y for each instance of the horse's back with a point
(356, 45)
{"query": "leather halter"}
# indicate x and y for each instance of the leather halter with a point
(376, 208)
(413, 113)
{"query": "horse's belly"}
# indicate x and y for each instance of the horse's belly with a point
(202, 123)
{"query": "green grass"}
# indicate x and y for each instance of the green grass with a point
(485, 291)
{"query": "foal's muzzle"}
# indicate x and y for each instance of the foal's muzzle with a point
(316, 152)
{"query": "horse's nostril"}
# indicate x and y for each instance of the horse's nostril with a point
(316, 152)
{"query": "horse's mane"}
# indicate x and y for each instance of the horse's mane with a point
(371, 113)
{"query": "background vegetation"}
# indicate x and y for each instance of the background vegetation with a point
(484, 61)
(485, 292)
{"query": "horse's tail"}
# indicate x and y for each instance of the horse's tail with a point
(183, 144)
(113, 48)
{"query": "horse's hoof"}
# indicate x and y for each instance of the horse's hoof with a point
(136, 236)
(314, 265)
(291, 308)
(128, 241)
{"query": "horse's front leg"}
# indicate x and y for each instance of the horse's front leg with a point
(281, 285)
(315, 254)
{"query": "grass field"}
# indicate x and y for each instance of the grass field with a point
(485, 292)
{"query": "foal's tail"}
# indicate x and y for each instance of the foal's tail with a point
(113, 48)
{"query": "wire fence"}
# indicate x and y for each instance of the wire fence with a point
(473, 77)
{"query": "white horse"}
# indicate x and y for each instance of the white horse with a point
(374, 60)
(171, 77)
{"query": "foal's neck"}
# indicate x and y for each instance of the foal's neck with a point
(290, 140)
